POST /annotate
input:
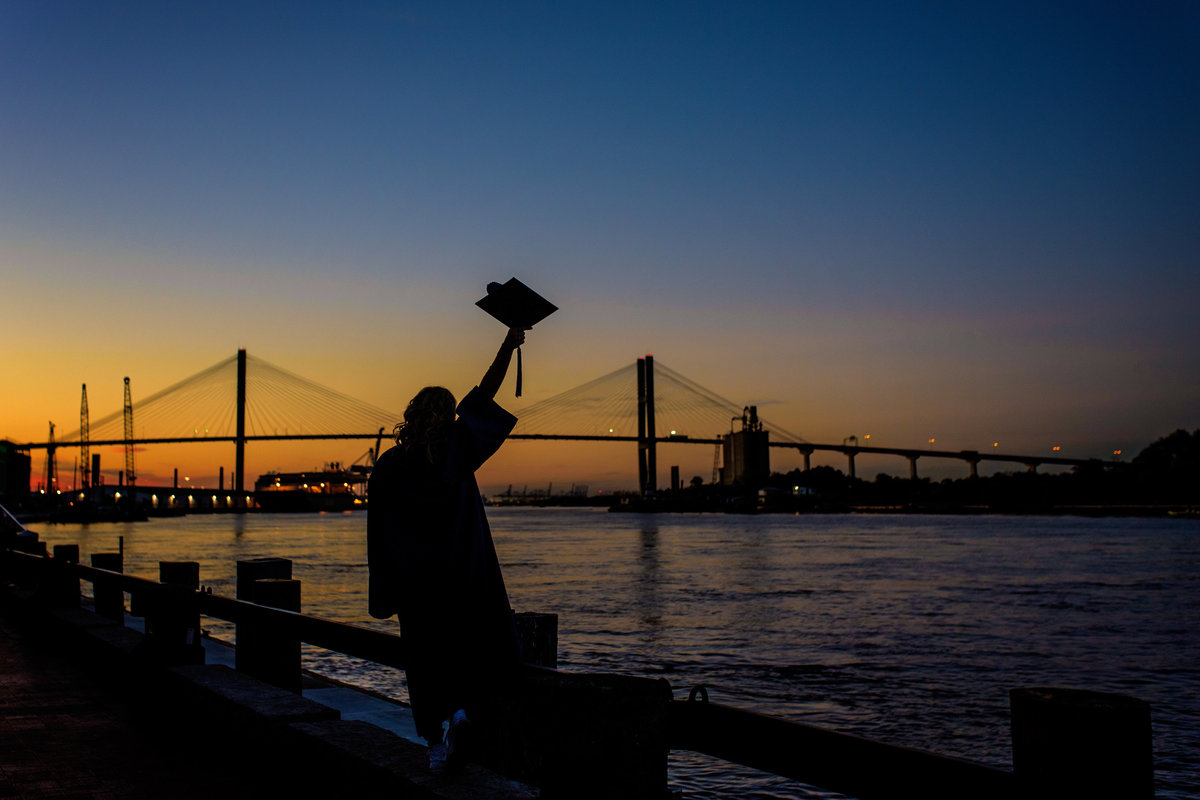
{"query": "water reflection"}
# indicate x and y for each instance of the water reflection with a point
(911, 630)
(648, 588)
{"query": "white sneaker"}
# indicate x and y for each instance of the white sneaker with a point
(457, 734)
(437, 758)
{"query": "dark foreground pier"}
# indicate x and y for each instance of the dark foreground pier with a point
(66, 734)
(127, 699)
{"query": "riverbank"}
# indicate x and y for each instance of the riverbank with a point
(667, 504)
(90, 711)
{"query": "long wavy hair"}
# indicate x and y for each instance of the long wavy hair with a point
(426, 424)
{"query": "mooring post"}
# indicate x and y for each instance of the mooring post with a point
(251, 569)
(107, 595)
(248, 653)
(66, 553)
(173, 614)
(538, 634)
(582, 736)
(1078, 743)
(62, 584)
(276, 655)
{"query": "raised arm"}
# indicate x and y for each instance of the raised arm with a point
(499, 368)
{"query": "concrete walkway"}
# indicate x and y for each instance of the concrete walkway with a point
(64, 735)
(351, 703)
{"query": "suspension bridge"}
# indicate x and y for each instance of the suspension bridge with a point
(245, 399)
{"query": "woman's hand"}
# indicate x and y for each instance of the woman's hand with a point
(495, 374)
(515, 338)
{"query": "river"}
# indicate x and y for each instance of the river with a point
(906, 629)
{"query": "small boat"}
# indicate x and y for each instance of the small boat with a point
(330, 488)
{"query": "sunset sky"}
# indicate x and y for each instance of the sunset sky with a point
(968, 221)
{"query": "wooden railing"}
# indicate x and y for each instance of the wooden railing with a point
(588, 735)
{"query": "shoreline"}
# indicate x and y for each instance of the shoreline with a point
(665, 505)
(668, 506)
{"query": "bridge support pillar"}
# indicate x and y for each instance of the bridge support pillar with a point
(239, 468)
(807, 459)
(647, 456)
(974, 468)
(912, 467)
(850, 458)
(1032, 466)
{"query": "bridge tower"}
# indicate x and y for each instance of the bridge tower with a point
(85, 466)
(647, 454)
(130, 475)
(239, 465)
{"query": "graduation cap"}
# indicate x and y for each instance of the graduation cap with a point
(517, 306)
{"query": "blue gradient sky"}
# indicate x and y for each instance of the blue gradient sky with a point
(970, 221)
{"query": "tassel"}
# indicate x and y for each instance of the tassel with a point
(518, 372)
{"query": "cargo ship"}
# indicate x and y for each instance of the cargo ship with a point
(332, 488)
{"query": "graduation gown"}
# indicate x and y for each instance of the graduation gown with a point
(432, 562)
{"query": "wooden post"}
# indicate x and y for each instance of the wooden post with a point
(584, 736)
(66, 553)
(61, 589)
(1077, 743)
(538, 634)
(180, 573)
(173, 614)
(248, 654)
(252, 569)
(107, 594)
(276, 656)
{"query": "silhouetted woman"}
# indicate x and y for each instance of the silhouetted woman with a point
(431, 557)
